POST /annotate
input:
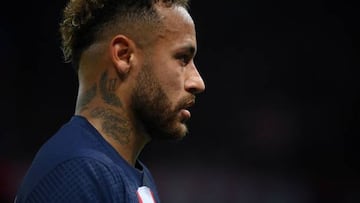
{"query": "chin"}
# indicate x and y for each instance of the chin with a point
(181, 132)
(177, 132)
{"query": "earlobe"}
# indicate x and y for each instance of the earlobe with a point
(121, 51)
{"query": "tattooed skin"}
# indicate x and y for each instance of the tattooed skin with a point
(107, 88)
(86, 98)
(113, 124)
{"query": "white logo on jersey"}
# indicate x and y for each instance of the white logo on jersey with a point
(145, 195)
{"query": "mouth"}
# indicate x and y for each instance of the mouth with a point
(184, 111)
(189, 104)
(185, 115)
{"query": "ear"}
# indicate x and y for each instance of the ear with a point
(121, 51)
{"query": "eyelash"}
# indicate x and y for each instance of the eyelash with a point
(184, 59)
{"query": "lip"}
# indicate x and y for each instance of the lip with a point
(184, 112)
(185, 115)
(189, 104)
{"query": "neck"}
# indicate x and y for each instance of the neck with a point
(102, 107)
(117, 129)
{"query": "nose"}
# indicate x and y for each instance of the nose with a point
(194, 83)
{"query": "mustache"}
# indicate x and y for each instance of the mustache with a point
(186, 102)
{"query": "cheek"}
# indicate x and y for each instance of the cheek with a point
(172, 83)
(170, 77)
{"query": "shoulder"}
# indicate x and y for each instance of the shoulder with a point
(82, 172)
(80, 179)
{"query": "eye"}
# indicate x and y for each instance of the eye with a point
(184, 59)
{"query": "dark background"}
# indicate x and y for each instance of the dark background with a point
(278, 122)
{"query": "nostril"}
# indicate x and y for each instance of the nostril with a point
(194, 91)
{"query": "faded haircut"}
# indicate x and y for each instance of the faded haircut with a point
(86, 21)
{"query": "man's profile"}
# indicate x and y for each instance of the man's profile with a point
(137, 79)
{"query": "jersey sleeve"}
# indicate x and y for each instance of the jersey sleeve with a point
(78, 180)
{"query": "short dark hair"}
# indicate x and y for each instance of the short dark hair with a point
(84, 21)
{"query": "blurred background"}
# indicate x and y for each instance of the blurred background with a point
(278, 123)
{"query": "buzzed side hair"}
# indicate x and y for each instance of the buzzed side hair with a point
(86, 21)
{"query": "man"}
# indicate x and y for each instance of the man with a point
(137, 78)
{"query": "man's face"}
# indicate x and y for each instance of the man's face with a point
(168, 80)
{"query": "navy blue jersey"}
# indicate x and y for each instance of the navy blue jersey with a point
(78, 165)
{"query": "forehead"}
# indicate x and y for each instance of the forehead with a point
(176, 14)
(178, 26)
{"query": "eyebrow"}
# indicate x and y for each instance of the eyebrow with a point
(189, 49)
